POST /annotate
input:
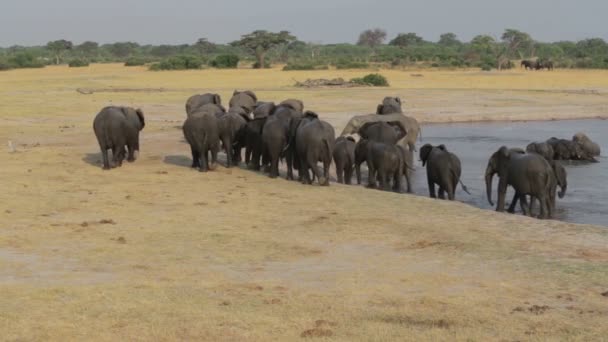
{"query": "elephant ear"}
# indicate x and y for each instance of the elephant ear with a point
(398, 99)
(362, 131)
(379, 109)
(217, 100)
(251, 94)
(350, 138)
(311, 114)
(400, 127)
(424, 153)
(140, 115)
(235, 92)
(442, 147)
(504, 152)
(245, 116)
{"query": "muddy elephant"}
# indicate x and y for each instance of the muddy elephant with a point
(313, 141)
(201, 131)
(115, 128)
(245, 99)
(232, 128)
(196, 101)
(528, 173)
(542, 148)
(442, 168)
(344, 158)
(588, 146)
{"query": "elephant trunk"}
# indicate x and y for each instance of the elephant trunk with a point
(489, 176)
(562, 192)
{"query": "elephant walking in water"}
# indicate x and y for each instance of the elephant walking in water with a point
(442, 168)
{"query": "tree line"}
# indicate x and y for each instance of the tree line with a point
(263, 48)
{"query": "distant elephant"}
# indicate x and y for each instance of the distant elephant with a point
(385, 163)
(314, 142)
(201, 131)
(245, 99)
(344, 158)
(528, 65)
(232, 129)
(254, 146)
(442, 168)
(115, 128)
(528, 173)
(588, 146)
(294, 104)
(196, 101)
(542, 148)
(544, 64)
(568, 150)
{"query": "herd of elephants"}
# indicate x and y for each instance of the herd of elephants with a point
(272, 133)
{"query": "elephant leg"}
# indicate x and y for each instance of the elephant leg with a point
(397, 181)
(513, 203)
(348, 174)
(524, 205)
(203, 162)
(340, 173)
(118, 155)
(358, 172)
(214, 151)
(431, 188)
(382, 179)
(131, 153)
(195, 157)
(502, 193)
(274, 167)
(371, 175)
(289, 158)
(104, 156)
(450, 190)
(326, 166)
(227, 142)
(312, 163)
(441, 193)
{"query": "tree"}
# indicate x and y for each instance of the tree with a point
(406, 39)
(88, 48)
(372, 38)
(57, 47)
(122, 49)
(515, 40)
(449, 39)
(260, 41)
(204, 46)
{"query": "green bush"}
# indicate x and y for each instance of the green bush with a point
(4, 65)
(24, 60)
(78, 63)
(375, 80)
(225, 62)
(351, 65)
(178, 63)
(305, 66)
(135, 61)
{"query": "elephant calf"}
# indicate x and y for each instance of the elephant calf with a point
(587, 145)
(386, 163)
(231, 129)
(344, 158)
(194, 102)
(201, 131)
(115, 128)
(442, 168)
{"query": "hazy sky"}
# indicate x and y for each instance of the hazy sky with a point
(33, 22)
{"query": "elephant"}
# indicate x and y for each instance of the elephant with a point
(589, 147)
(363, 154)
(389, 111)
(544, 64)
(344, 158)
(115, 128)
(253, 136)
(245, 99)
(542, 148)
(385, 132)
(528, 173)
(314, 142)
(201, 131)
(294, 104)
(559, 178)
(528, 65)
(568, 150)
(232, 129)
(276, 134)
(196, 101)
(442, 168)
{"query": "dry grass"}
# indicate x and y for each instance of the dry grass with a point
(156, 251)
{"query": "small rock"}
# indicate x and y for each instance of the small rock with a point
(84, 224)
(605, 294)
(121, 240)
(106, 221)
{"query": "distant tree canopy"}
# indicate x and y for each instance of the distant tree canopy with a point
(372, 38)
(371, 48)
(260, 42)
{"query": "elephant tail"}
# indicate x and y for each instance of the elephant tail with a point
(464, 187)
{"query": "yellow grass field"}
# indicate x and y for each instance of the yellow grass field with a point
(157, 251)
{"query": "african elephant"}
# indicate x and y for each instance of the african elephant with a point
(528, 173)
(344, 158)
(294, 104)
(589, 147)
(542, 148)
(232, 129)
(442, 168)
(385, 163)
(559, 178)
(196, 101)
(254, 147)
(531, 65)
(201, 131)
(568, 150)
(115, 128)
(276, 135)
(385, 132)
(245, 99)
(314, 142)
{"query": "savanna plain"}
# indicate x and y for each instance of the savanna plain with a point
(157, 251)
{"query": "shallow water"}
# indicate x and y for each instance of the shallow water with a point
(586, 200)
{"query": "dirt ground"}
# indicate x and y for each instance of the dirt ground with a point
(157, 251)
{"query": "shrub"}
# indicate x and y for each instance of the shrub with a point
(305, 66)
(178, 63)
(24, 60)
(375, 80)
(135, 61)
(351, 65)
(225, 62)
(267, 64)
(78, 63)
(4, 65)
